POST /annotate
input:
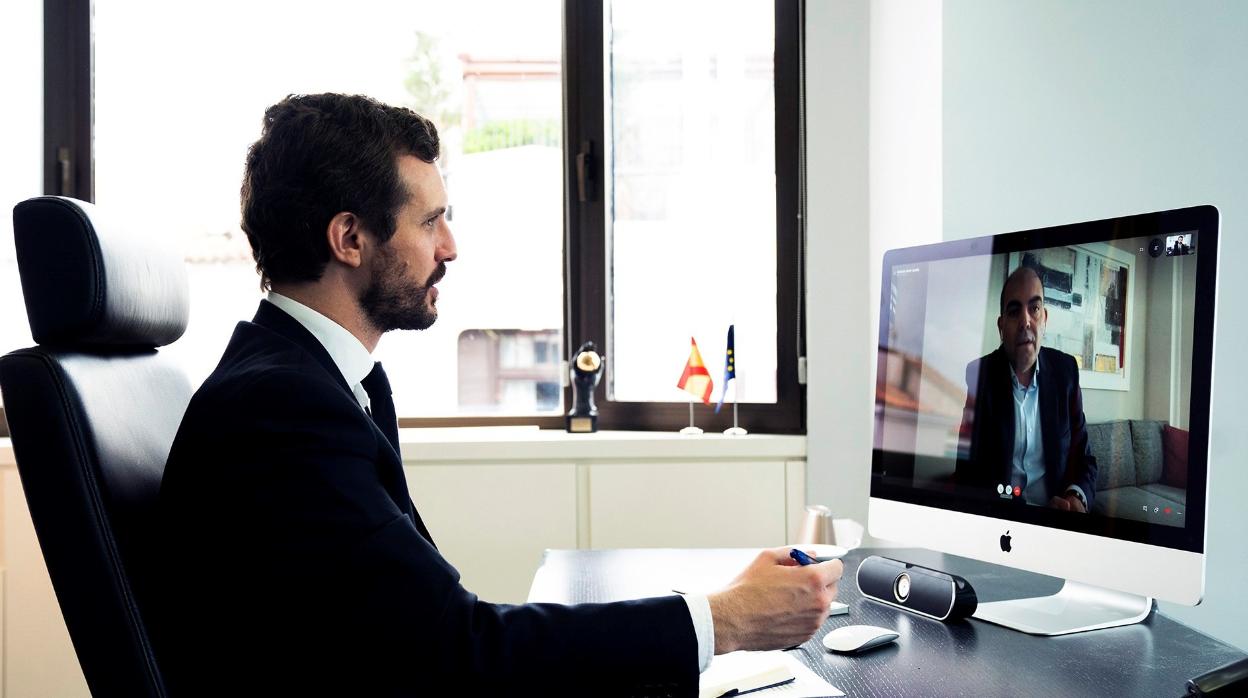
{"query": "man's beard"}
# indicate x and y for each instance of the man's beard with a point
(391, 302)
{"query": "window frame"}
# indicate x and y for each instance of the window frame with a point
(68, 122)
(585, 251)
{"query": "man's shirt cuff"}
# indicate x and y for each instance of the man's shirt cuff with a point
(1078, 493)
(703, 627)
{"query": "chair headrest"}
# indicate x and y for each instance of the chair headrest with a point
(88, 280)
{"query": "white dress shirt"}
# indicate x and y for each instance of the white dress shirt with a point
(355, 363)
(349, 355)
(1028, 460)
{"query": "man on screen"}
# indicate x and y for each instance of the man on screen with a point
(1024, 410)
(295, 562)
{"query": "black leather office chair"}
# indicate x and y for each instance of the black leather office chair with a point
(92, 412)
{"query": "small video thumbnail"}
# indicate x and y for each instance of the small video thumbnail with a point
(1177, 245)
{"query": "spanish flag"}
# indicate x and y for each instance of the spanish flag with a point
(696, 380)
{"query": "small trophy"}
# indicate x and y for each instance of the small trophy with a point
(586, 371)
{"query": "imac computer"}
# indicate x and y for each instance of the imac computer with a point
(1042, 402)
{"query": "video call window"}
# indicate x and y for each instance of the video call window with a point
(1180, 244)
(1045, 377)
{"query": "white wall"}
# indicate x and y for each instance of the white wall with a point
(873, 96)
(1062, 111)
(1020, 115)
(906, 190)
(839, 389)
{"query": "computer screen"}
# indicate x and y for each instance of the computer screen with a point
(1052, 386)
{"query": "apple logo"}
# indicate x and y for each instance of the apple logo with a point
(1005, 542)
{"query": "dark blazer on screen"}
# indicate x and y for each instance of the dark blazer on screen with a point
(294, 561)
(990, 410)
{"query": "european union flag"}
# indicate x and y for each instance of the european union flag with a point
(730, 369)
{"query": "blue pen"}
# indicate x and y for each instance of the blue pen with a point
(804, 559)
(801, 557)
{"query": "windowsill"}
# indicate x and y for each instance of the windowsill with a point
(502, 444)
(461, 444)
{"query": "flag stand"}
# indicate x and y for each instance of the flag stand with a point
(735, 430)
(691, 429)
(729, 376)
(695, 381)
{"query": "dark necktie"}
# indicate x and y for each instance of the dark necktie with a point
(381, 404)
(381, 409)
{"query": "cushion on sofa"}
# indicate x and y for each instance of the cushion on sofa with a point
(1146, 443)
(1139, 504)
(1174, 494)
(1115, 456)
(1174, 467)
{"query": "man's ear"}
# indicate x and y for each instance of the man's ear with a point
(345, 236)
(1001, 330)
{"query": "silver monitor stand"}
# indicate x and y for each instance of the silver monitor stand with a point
(1075, 608)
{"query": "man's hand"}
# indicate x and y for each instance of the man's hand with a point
(1068, 502)
(774, 603)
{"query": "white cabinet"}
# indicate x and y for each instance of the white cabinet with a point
(39, 658)
(687, 505)
(492, 521)
(494, 499)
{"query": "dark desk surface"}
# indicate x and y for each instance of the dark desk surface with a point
(967, 658)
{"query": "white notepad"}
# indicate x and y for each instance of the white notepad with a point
(749, 671)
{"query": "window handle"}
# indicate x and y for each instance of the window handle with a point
(65, 167)
(584, 161)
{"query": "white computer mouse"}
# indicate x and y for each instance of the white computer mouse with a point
(856, 638)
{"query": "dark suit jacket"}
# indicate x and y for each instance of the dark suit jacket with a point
(989, 417)
(294, 561)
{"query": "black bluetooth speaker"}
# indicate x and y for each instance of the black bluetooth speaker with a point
(929, 593)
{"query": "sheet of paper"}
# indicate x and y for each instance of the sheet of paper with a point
(808, 684)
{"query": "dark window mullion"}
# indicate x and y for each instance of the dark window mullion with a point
(67, 99)
(584, 221)
(790, 394)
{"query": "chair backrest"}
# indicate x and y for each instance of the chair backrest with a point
(92, 411)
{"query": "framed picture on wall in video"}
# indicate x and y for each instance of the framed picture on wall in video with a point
(1088, 292)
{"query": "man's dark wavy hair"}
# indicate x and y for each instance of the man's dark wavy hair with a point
(320, 155)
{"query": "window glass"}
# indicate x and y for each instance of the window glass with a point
(179, 95)
(692, 178)
(521, 370)
(21, 144)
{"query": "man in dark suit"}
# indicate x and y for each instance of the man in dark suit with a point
(1024, 410)
(295, 561)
